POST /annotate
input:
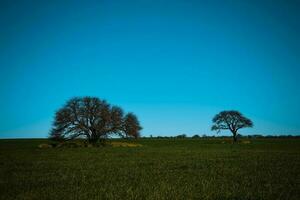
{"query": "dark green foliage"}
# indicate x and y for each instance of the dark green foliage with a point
(181, 136)
(230, 120)
(161, 169)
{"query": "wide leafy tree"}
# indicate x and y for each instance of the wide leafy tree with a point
(88, 117)
(230, 120)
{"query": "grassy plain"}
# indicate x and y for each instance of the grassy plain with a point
(159, 169)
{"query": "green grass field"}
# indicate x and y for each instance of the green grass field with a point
(159, 169)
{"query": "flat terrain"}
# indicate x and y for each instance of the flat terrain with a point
(159, 169)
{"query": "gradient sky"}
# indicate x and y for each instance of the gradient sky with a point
(173, 63)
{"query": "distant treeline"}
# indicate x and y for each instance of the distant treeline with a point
(239, 136)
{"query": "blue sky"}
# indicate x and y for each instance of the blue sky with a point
(173, 63)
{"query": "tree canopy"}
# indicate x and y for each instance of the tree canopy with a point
(230, 120)
(93, 119)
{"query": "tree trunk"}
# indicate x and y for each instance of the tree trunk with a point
(234, 137)
(88, 137)
(94, 138)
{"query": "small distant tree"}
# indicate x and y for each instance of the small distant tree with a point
(230, 120)
(181, 136)
(90, 118)
(131, 126)
(195, 136)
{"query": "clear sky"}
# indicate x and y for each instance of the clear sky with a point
(173, 63)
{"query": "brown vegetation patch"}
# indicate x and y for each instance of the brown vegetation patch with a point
(124, 144)
(45, 146)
